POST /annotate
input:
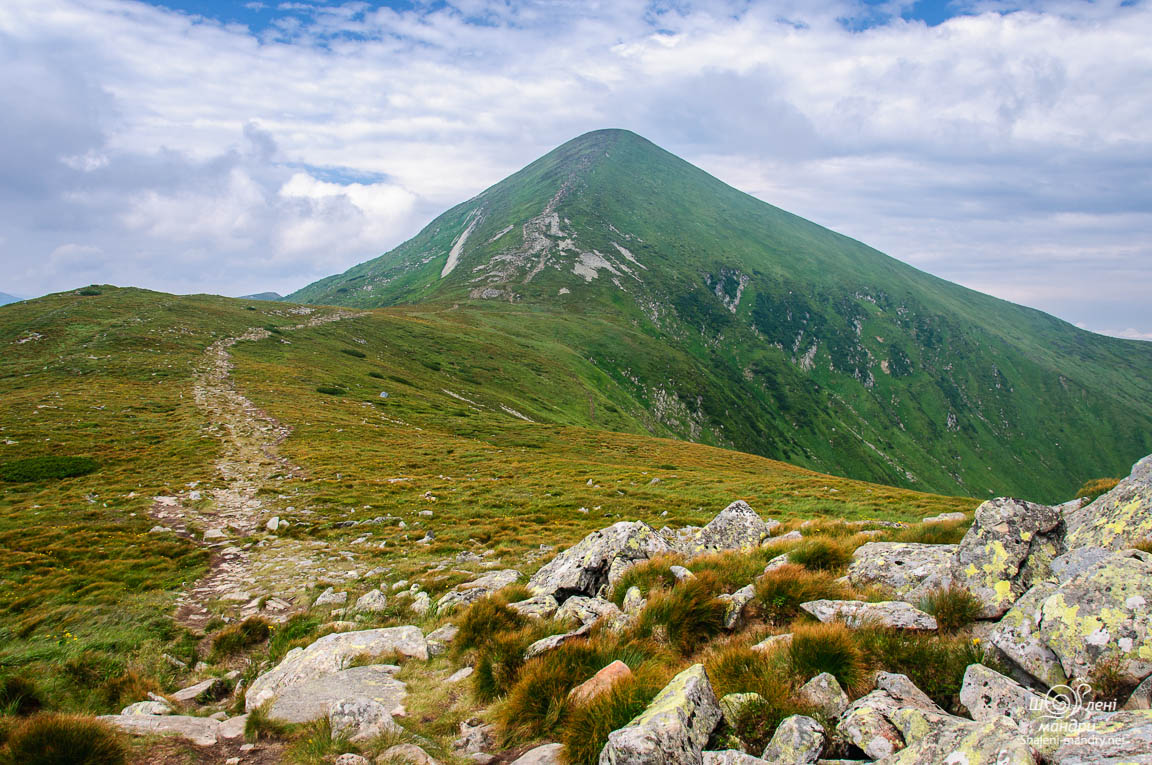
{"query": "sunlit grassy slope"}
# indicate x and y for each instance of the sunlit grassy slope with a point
(86, 593)
(731, 322)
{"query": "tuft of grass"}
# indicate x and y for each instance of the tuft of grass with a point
(935, 663)
(949, 533)
(237, 637)
(18, 696)
(260, 727)
(47, 468)
(780, 592)
(821, 555)
(831, 648)
(330, 390)
(377, 375)
(685, 617)
(1144, 546)
(354, 352)
(499, 660)
(588, 725)
(484, 621)
(732, 570)
(652, 574)
(299, 630)
(1094, 488)
(64, 740)
(1110, 683)
(954, 607)
(741, 669)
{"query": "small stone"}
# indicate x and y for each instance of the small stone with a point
(421, 604)
(824, 694)
(798, 740)
(461, 675)
(682, 574)
(351, 759)
(213, 534)
(548, 754)
(330, 598)
(148, 708)
(407, 753)
(232, 728)
(599, 683)
(360, 719)
(273, 524)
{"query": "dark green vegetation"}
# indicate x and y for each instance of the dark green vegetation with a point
(700, 312)
(87, 594)
(63, 740)
(46, 468)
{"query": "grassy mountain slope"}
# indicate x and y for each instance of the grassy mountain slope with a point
(727, 321)
(87, 593)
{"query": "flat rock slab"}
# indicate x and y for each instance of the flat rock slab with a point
(899, 566)
(309, 701)
(894, 614)
(331, 654)
(548, 754)
(470, 592)
(201, 731)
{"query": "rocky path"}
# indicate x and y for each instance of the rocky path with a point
(222, 516)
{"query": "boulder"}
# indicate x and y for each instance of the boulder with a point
(736, 527)
(543, 645)
(673, 730)
(730, 757)
(421, 604)
(824, 694)
(894, 614)
(732, 706)
(599, 683)
(311, 700)
(945, 518)
(539, 607)
(211, 689)
(987, 694)
(439, 639)
(867, 721)
(1122, 737)
(548, 754)
(1061, 632)
(330, 598)
(360, 719)
(475, 738)
(407, 753)
(934, 738)
(734, 605)
(201, 731)
(331, 654)
(232, 729)
(372, 601)
(798, 740)
(1079, 559)
(587, 610)
(634, 601)
(1008, 549)
(1119, 519)
(682, 574)
(595, 563)
(898, 566)
(470, 592)
(147, 708)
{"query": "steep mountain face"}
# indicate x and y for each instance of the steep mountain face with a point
(724, 320)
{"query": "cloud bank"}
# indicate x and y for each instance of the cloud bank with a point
(1006, 149)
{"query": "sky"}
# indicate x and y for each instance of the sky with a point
(240, 147)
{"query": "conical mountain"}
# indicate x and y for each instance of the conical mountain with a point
(729, 321)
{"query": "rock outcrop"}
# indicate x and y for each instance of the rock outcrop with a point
(798, 740)
(1118, 519)
(470, 592)
(597, 562)
(894, 614)
(899, 566)
(736, 527)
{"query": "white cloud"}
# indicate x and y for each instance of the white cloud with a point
(1007, 151)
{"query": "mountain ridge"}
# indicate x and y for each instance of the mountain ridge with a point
(748, 327)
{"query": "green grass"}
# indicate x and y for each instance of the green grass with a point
(46, 468)
(63, 740)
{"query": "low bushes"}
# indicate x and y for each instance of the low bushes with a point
(821, 555)
(47, 468)
(652, 574)
(684, 618)
(63, 740)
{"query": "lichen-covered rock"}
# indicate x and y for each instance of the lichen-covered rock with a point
(673, 730)
(987, 694)
(470, 592)
(1141, 698)
(935, 739)
(894, 614)
(330, 598)
(1017, 636)
(544, 645)
(476, 737)
(682, 574)
(599, 683)
(898, 566)
(736, 527)
(1118, 519)
(440, 638)
(867, 721)
(587, 610)
(539, 607)
(944, 518)
(201, 731)
(360, 719)
(206, 690)
(372, 601)
(311, 700)
(734, 605)
(1008, 549)
(634, 601)
(1076, 560)
(824, 694)
(774, 642)
(147, 708)
(732, 706)
(596, 562)
(730, 757)
(407, 753)
(1123, 738)
(331, 654)
(798, 740)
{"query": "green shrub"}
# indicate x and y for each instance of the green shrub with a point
(89, 292)
(587, 725)
(237, 637)
(652, 574)
(820, 555)
(780, 592)
(18, 696)
(46, 468)
(831, 648)
(64, 740)
(954, 607)
(354, 352)
(377, 375)
(330, 390)
(685, 617)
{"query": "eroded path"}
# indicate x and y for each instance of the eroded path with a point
(245, 576)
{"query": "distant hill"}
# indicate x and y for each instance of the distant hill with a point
(263, 296)
(722, 319)
(5, 298)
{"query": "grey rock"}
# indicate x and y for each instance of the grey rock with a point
(1008, 549)
(330, 598)
(682, 574)
(773, 642)
(734, 605)
(1119, 519)
(372, 601)
(736, 527)
(407, 753)
(791, 536)
(945, 518)
(460, 675)
(1141, 698)
(730, 757)
(587, 610)
(201, 731)
(360, 719)
(440, 638)
(548, 754)
(1017, 636)
(470, 592)
(898, 566)
(539, 607)
(148, 708)
(798, 740)
(894, 614)
(732, 706)
(1123, 738)
(634, 601)
(596, 562)
(824, 694)
(475, 738)
(1071, 563)
(312, 700)
(778, 562)
(421, 603)
(867, 722)
(543, 645)
(331, 654)
(987, 694)
(935, 739)
(232, 729)
(210, 689)
(349, 758)
(673, 730)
